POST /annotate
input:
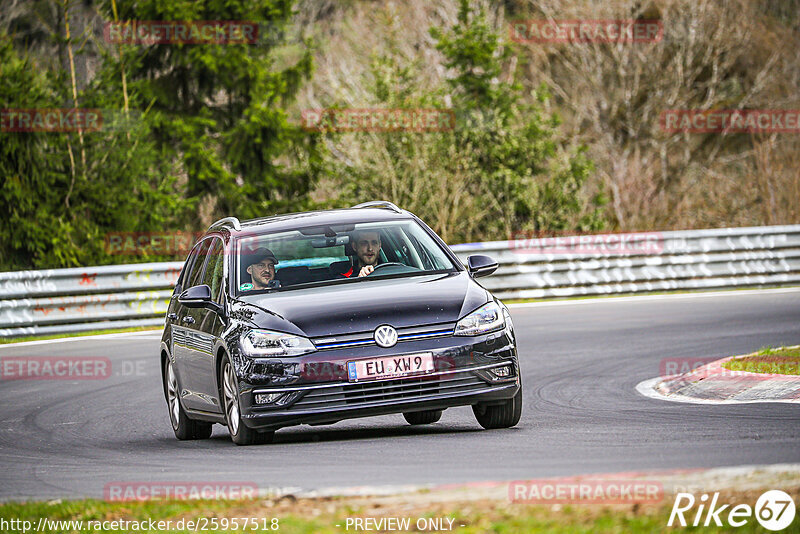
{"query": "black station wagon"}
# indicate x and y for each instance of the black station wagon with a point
(313, 318)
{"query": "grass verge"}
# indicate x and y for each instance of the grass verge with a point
(330, 515)
(781, 360)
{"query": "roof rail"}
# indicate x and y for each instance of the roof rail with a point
(379, 204)
(233, 220)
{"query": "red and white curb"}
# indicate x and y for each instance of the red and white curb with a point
(713, 384)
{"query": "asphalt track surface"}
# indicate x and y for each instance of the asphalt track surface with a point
(581, 362)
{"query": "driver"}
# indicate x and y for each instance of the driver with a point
(262, 270)
(367, 244)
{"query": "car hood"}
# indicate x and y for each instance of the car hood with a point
(364, 305)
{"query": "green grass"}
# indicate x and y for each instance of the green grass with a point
(781, 360)
(323, 515)
(78, 334)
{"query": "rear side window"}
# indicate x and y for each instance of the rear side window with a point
(213, 273)
(200, 254)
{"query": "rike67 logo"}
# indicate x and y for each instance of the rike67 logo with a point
(774, 510)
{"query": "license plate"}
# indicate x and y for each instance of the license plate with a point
(390, 367)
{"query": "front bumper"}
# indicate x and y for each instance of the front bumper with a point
(464, 374)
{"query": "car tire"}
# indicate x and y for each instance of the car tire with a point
(423, 418)
(503, 415)
(184, 427)
(240, 433)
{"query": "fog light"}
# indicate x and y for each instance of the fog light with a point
(502, 372)
(268, 398)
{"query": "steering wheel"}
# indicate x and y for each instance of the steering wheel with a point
(388, 264)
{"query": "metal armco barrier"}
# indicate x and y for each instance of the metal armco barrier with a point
(724, 258)
(58, 301)
(96, 298)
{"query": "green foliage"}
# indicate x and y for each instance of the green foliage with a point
(477, 55)
(198, 129)
(58, 211)
(531, 184)
(219, 110)
(500, 171)
(32, 177)
(202, 131)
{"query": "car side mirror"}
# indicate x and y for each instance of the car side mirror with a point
(198, 297)
(479, 265)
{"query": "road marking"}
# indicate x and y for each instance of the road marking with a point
(644, 298)
(118, 335)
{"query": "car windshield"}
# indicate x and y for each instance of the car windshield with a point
(324, 255)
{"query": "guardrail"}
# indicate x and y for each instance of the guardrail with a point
(634, 263)
(97, 298)
(58, 301)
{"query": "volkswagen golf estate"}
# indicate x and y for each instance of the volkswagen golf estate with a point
(314, 318)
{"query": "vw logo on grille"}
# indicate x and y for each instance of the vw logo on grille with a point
(385, 336)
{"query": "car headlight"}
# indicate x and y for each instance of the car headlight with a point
(275, 344)
(487, 318)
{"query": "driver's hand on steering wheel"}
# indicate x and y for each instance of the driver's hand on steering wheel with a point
(366, 270)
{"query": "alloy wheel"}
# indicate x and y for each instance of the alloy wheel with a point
(231, 399)
(172, 395)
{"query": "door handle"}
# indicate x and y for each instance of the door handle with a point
(188, 319)
(172, 316)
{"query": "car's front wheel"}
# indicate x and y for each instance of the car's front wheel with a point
(423, 418)
(183, 427)
(503, 415)
(240, 434)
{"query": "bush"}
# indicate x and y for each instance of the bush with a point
(500, 171)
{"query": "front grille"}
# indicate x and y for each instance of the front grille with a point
(367, 393)
(366, 338)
